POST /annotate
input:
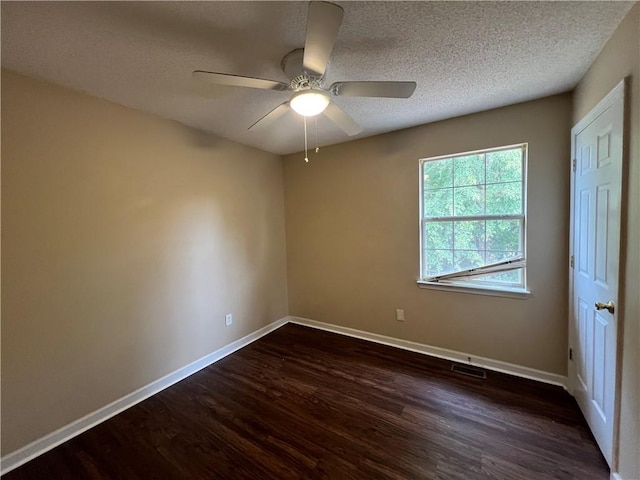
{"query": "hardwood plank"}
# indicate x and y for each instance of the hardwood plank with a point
(303, 403)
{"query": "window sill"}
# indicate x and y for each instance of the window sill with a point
(519, 293)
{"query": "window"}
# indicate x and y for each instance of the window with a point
(473, 219)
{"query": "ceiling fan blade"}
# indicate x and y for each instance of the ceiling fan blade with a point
(239, 81)
(374, 89)
(322, 30)
(344, 121)
(271, 117)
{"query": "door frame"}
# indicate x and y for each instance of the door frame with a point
(619, 92)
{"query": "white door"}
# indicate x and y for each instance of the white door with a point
(595, 249)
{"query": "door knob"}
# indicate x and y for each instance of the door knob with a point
(609, 306)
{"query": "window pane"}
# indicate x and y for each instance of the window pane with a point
(469, 200)
(503, 235)
(438, 262)
(466, 259)
(496, 256)
(513, 276)
(438, 203)
(504, 198)
(438, 174)
(469, 170)
(469, 235)
(504, 166)
(438, 235)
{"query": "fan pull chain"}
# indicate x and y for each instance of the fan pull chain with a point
(306, 154)
(315, 120)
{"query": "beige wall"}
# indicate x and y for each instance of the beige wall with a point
(621, 58)
(126, 239)
(352, 238)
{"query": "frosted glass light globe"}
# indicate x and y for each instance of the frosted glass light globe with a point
(309, 103)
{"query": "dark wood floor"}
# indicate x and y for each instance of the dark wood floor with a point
(302, 403)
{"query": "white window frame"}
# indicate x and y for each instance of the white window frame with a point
(465, 283)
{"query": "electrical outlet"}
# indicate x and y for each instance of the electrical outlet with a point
(228, 319)
(400, 315)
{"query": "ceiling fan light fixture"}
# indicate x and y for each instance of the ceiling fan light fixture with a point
(309, 103)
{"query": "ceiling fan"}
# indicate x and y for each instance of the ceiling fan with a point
(306, 68)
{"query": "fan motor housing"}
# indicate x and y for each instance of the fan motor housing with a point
(292, 66)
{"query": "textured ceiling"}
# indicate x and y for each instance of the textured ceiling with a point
(465, 57)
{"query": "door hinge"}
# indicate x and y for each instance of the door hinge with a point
(571, 354)
(572, 261)
(573, 164)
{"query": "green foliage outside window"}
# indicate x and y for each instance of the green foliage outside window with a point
(480, 185)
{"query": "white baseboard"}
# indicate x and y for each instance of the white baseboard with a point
(21, 456)
(488, 363)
